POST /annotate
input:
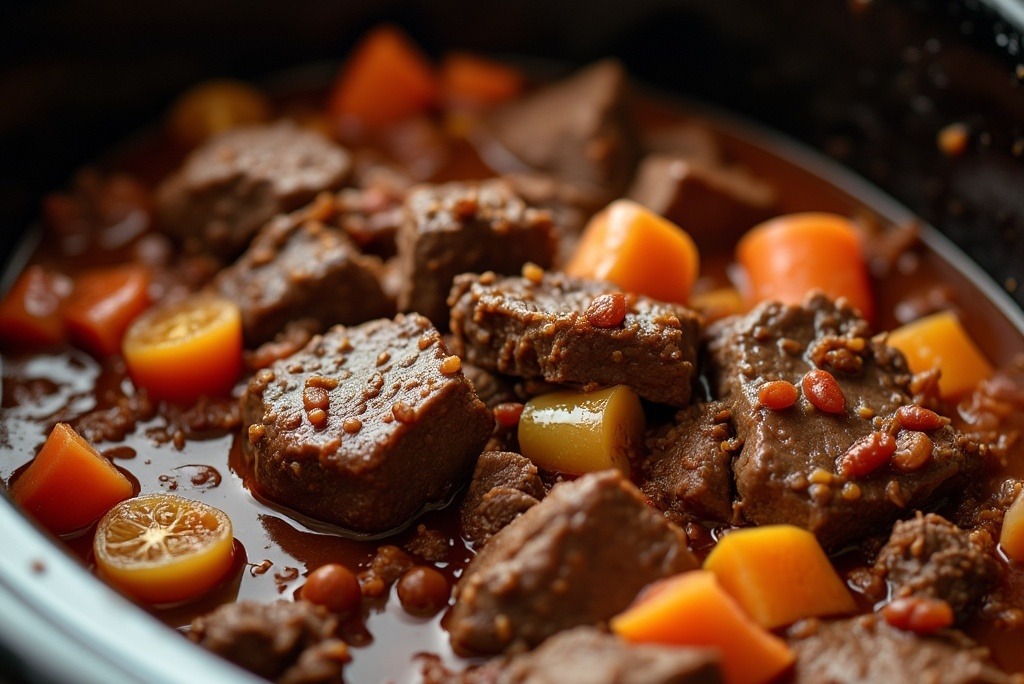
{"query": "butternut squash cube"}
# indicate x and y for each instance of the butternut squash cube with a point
(940, 341)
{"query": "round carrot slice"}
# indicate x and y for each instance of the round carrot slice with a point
(186, 349)
(161, 548)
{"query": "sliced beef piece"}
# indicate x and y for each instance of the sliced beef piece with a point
(538, 329)
(231, 186)
(586, 655)
(931, 557)
(365, 425)
(571, 206)
(714, 204)
(866, 649)
(688, 140)
(301, 269)
(284, 641)
(688, 470)
(578, 129)
(578, 557)
(504, 485)
(787, 471)
(459, 227)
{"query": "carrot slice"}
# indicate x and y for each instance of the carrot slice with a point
(386, 80)
(30, 313)
(778, 574)
(692, 609)
(103, 304)
(639, 251)
(69, 484)
(787, 257)
(470, 80)
(186, 349)
(940, 341)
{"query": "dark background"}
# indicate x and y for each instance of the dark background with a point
(870, 82)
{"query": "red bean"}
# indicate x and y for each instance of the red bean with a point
(919, 418)
(607, 310)
(919, 615)
(867, 454)
(777, 394)
(334, 587)
(507, 414)
(423, 591)
(824, 393)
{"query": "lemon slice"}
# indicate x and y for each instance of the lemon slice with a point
(161, 548)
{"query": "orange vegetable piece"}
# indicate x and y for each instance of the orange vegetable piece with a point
(1011, 537)
(778, 574)
(386, 80)
(214, 107)
(30, 313)
(471, 80)
(717, 304)
(692, 609)
(639, 251)
(69, 484)
(186, 349)
(162, 548)
(103, 304)
(940, 341)
(787, 257)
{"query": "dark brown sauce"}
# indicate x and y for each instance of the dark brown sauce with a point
(275, 551)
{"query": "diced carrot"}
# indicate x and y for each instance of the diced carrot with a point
(720, 303)
(940, 341)
(470, 80)
(103, 304)
(639, 251)
(30, 313)
(1011, 537)
(778, 574)
(787, 257)
(69, 484)
(386, 80)
(692, 609)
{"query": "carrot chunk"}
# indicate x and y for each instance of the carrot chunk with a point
(692, 609)
(639, 251)
(778, 574)
(386, 80)
(103, 304)
(468, 80)
(69, 484)
(940, 341)
(30, 313)
(787, 257)
(1011, 537)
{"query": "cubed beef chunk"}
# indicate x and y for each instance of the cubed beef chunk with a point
(365, 425)
(714, 204)
(284, 641)
(503, 486)
(371, 212)
(866, 649)
(688, 471)
(578, 129)
(231, 186)
(301, 269)
(931, 557)
(578, 557)
(539, 329)
(586, 655)
(788, 469)
(460, 227)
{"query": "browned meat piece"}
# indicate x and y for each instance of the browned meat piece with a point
(539, 329)
(284, 641)
(714, 204)
(931, 557)
(365, 425)
(459, 227)
(578, 129)
(578, 557)
(688, 472)
(301, 269)
(866, 649)
(372, 212)
(788, 469)
(503, 486)
(688, 140)
(231, 186)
